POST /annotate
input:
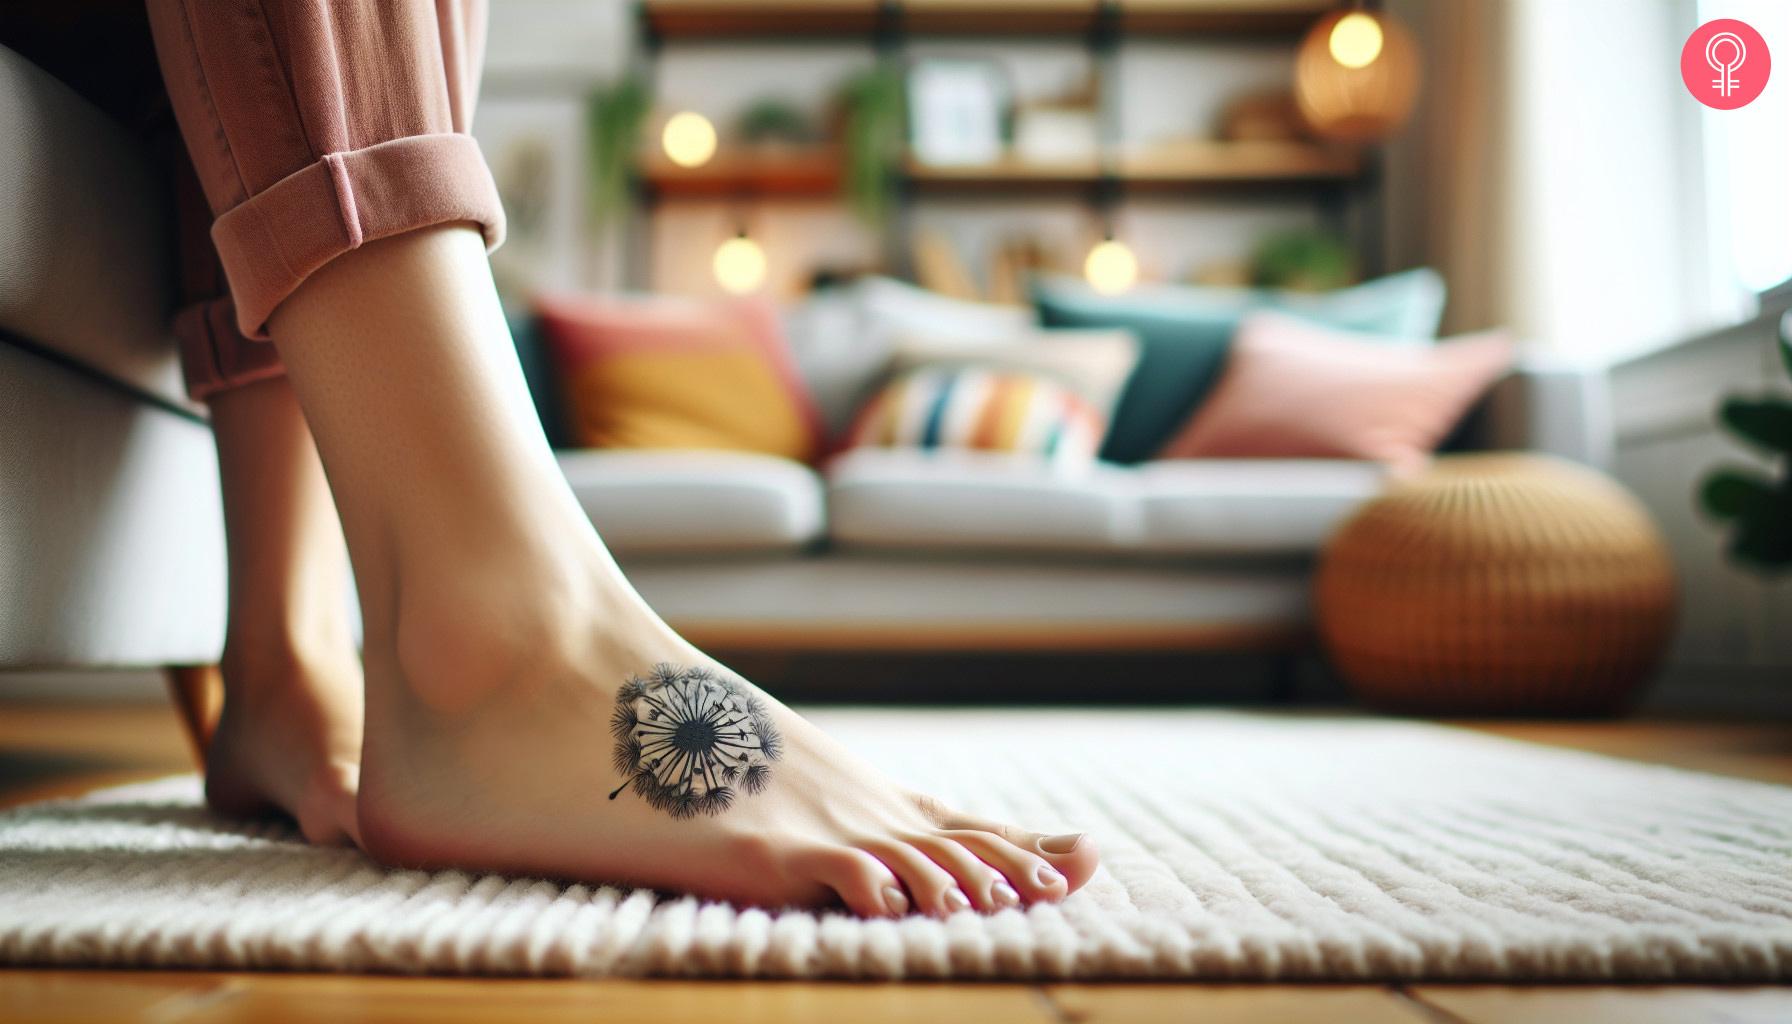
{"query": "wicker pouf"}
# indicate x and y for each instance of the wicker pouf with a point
(1497, 584)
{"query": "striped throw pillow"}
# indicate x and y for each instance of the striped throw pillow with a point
(980, 410)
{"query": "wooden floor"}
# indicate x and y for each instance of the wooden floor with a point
(60, 750)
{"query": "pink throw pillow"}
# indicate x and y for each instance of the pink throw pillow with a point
(1293, 389)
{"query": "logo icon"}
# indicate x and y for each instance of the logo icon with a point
(1725, 64)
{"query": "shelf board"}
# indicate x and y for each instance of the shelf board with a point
(784, 19)
(789, 171)
(815, 171)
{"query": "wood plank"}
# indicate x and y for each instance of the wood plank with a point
(985, 637)
(1751, 750)
(336, 999)
(745, 19)
(1233, 1004)
(56, 996)
(1607, 1004)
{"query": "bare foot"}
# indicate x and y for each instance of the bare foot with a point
(289, 740)
(289, 736)
(601, 747)
(511, 688)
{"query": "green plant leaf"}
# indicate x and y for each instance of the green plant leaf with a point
(1730, 491)
(1765, 542)
(1766, 422)
(1786, 340)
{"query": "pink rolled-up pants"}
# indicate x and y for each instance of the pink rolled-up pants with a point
(313, 127)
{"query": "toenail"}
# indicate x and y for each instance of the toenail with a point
(956, 901)
(1049, 877)
(1003, 895)
(896, 900)
(1061, 844)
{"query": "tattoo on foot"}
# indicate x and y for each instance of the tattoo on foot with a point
(686, 738)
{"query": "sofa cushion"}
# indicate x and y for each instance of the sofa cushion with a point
(86, 253)
(980, 500)
(1248, 506)
(699, 501)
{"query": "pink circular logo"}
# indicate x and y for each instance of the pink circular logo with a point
(1725, 64)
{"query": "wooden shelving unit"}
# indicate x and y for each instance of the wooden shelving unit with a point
(815, 171)
(1341, 183)
(720, 19)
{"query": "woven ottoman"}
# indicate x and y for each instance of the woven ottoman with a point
(1497, 584)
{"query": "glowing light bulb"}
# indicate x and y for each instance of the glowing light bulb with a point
(1356, 40)
(689, 139)
(1111, 267)
(739, 265)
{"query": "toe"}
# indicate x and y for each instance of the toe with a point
(325, 811)
(1072, 855)
(1027, 873)
(931, 888)
(985, 886)
(863, 883)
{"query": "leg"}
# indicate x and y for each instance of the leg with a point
(289, 737)
(500, 632)
(197, 695)
(510, 680)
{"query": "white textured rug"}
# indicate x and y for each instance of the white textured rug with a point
(1236, 847)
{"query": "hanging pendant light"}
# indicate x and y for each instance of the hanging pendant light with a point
(1111, 268)
(688, 139)
(739, 264)
(1356, 76)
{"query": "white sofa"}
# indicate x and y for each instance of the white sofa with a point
(895, 549)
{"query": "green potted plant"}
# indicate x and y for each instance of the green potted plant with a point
(872, 133)
(614, 115)
(1758, 505)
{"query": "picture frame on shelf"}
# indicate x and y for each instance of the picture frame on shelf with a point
(957, 107)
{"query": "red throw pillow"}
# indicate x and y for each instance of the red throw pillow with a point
(1294, 389)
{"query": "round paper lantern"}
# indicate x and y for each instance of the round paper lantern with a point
(1356, 76)
(1497, 584)
(1111, 268)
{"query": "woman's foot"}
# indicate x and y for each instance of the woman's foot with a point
(499, 635)
(592, 743)
(289, 740)
(289, 736)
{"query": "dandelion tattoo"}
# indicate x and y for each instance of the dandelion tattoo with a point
(685, 739)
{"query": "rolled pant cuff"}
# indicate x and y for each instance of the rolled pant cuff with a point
(275, 240)
(214, 355)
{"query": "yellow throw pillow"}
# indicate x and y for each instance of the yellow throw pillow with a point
(678, 373)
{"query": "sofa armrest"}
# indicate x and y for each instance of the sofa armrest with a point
(1552, 406)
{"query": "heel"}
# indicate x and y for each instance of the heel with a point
(198, 695)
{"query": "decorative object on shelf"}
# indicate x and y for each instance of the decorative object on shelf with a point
(1062, 130)
(1356, 76)
(689, 139)
(774, 122)
(940, 268)
(1303, 261)
(873, 126)
(614, 116)
(956, 108)
(739, 264)
(1261, 117)
(1759, 506)
(1497, 584)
